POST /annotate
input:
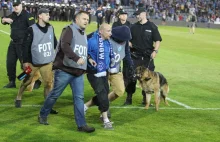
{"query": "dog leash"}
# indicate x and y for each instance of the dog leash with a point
(149, 63)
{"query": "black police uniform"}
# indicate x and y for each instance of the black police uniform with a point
(19, 27)
(118, 23)
(143, 37)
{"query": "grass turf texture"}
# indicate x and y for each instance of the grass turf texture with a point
(191, 64)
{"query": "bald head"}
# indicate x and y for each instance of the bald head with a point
(104, 26)
(105, 31)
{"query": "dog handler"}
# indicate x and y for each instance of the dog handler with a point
(145, 44)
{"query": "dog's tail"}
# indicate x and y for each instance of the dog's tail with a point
(164, 93)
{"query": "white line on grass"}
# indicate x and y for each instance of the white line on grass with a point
(174, 101)
(4, 32)
(122, 107)
(179, 103)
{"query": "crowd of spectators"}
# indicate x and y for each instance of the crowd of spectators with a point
(206, 11)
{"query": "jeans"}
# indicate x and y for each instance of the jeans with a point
(61, 80)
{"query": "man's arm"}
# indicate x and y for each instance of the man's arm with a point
(7, 20)
(55, 39)
(157, 45)
(26, 47)
(66, 39)
(30, 19)
(157, 39)
(127, 58)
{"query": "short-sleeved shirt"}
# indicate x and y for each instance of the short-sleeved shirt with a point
(143, 37)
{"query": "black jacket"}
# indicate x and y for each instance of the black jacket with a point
(20, 24)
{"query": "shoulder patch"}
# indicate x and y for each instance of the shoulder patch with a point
(31, 18)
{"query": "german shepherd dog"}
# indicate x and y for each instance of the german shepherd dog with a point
(152, 82)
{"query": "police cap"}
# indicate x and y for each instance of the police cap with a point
(42, 10)
(16, 2)
(122, 11)
(140, 10)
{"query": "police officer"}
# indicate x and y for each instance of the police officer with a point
(145, 34)
(122, 19)
(19, 21)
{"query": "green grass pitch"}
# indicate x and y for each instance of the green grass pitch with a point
(191, 64)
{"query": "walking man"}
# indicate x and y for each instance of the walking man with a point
(19, 21)
(70, 65)
(38, 54)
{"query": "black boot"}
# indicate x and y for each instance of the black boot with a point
(52, 111)
(37, 84)
(128, 100)
(11, 84)
(17, 103)
(144, 98)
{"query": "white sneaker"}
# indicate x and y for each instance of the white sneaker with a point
(108, 125)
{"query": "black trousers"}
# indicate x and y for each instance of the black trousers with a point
(101, 88)
(142, 61)
(14, 53)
